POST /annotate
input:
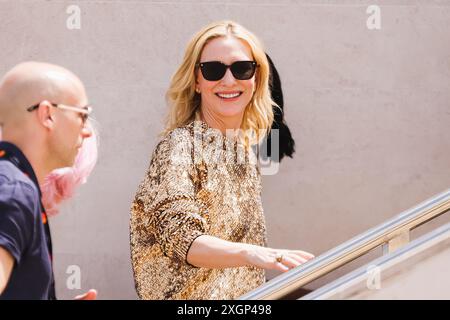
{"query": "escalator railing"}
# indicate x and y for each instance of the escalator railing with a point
(365, 282)
(392, 234)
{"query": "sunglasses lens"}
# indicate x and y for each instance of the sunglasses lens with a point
(213, 71)
(243, 70)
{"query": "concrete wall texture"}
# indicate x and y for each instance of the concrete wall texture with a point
(369, 110)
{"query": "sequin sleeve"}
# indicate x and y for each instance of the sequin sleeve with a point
(166, 199)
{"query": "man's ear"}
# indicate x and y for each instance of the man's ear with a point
(45, 114)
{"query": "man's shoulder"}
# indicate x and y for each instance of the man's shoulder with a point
(11, 174)
(14, 182)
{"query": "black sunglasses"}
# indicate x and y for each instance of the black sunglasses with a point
(215, 70)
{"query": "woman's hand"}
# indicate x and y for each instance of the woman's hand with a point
(211, 252)
(276, 259)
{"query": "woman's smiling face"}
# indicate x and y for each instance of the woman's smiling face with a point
(227, 97)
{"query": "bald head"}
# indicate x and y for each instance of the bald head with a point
(51, 134)
(30, 83)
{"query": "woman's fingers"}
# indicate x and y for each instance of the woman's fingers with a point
(304, 254)
(291, 262)
(281, 267)
(284, 260)
(293, 259)
(299, 259)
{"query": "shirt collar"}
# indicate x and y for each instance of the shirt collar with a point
(13, 154)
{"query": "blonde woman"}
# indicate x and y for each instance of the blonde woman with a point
(197, 224)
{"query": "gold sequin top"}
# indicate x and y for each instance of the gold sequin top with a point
(198, 182)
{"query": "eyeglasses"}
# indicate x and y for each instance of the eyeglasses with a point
(215, 70)
(83, 111)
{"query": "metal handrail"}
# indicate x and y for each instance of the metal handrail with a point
(439, 236)
(393, 234)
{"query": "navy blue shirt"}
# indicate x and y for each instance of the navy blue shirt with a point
(24, 230)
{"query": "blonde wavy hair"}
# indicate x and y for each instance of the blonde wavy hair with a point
(184, 103)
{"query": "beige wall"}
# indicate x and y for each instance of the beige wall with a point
(369, 110)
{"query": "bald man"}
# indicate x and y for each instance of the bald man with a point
(43, 111)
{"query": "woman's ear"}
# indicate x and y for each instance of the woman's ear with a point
(197, 84)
